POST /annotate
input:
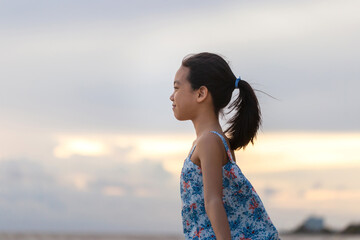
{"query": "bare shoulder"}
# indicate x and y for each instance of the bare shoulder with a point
(209, 145)
(209, 140)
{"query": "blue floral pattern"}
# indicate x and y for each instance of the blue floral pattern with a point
(246, 214)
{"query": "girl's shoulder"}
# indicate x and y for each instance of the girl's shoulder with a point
(209, 140)
(213, 138)
(215, 143)
(210, 144)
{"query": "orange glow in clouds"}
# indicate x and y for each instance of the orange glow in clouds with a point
(275, 151)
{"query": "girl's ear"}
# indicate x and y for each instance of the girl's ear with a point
(202, 94)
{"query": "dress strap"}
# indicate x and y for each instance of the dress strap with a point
(226, 146)
(192, 150)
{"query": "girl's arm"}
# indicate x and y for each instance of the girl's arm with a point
(211, 154)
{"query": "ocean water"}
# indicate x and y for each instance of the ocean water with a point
(41, 236)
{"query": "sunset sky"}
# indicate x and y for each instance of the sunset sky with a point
(88, 140)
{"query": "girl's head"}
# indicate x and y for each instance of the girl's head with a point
(213, 72)
(210, 71)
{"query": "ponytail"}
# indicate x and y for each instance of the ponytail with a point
(247, 119)
(212, 71)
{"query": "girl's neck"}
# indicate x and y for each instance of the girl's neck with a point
(205, 123)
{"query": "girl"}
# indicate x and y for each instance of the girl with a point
(218, 202)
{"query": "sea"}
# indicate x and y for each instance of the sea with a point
(47, 236)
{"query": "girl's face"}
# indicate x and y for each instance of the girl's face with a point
(183, 97)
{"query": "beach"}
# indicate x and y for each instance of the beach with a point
(64, 236)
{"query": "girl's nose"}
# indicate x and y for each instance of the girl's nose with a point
(172, 97)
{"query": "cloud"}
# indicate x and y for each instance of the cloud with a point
(83, 147)
(301, 150)
(269, 191)
(321, 195)
(117, 191)
(109, 73)
(164, 148)
(113, 191)
(107, 68)
(25, 184)
(97, 198)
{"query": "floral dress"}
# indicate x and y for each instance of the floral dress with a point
(246, 214)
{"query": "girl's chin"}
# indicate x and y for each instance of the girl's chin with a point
(180, 118)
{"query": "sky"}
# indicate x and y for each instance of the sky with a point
(88, 138)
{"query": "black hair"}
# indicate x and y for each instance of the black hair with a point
(212, 71)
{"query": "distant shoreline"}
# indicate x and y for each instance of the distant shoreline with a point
(351, 229)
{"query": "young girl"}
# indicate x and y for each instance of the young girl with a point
(218, 202)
